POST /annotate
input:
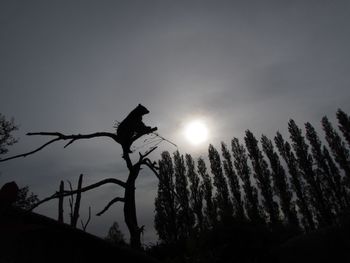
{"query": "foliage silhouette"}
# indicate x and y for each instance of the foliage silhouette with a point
(312, 193)
(6, 137)
(263, 177)
(114, 235)
(280, 183)
(222, 198)
(233, 182)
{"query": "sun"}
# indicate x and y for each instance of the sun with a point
(196, 132)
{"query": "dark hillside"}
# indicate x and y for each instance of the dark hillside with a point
(30, 237)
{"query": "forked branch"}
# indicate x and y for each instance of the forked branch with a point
(84, 226)
(84, 189)
(62, 137)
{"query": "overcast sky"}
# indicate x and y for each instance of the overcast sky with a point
(77, 66)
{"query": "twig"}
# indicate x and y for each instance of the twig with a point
(83, 226)
(157, 134)
(143, 156)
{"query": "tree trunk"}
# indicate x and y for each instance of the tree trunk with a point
(130, 210)
(75, 214)
(60, 203)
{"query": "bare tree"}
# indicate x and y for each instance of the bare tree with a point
(133, 129)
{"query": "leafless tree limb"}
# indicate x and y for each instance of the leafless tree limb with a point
(71, 200)
(114, 200)
(84, 189)
(83, 226)
(75, 214)
(60, 136)
(143, 156)
(152, 166)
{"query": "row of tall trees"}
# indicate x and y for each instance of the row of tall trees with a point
(301, 183)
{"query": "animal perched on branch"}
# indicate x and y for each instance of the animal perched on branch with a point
(132, 127)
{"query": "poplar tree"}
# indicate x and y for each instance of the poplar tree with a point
(338, 148)
(341, 195)
(210, 213)
(322, 171)
(344, 124)
(165, 221)
(222, 198)
(280, 183)
(305, 164)
(251, 201)
(263, 177)
(196, 192)
(184, 214)
(298, 185)
(233, 182)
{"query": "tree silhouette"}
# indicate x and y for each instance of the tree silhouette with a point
(6, 138)
(311, 194)
(305, 163)
(263, 177)
(339, 188)
(184, 213)
(339, 150)
(285, 151)
(344, 124)
(322, 171)
(114, 235)
(210, 213)
(233, 182)
(25, 200)
(251, 202)
(166, 203)
(196, 192)
(133, 130)
(222, 198)
(280, 183)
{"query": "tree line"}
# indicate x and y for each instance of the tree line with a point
(302, 183)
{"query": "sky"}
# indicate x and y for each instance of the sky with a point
(79, 66)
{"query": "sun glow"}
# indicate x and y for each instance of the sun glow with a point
(196, 132)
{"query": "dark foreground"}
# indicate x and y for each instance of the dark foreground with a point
(30, 237)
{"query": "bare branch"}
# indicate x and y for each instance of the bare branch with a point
(71, 200)
(29, 153)
(87, 222)
(151, 166)
(161, 137)
(143, 156)
(155, 169)
(114, 200)
(70, 142)
(60, 136)
(77, 202)
(84, 189)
